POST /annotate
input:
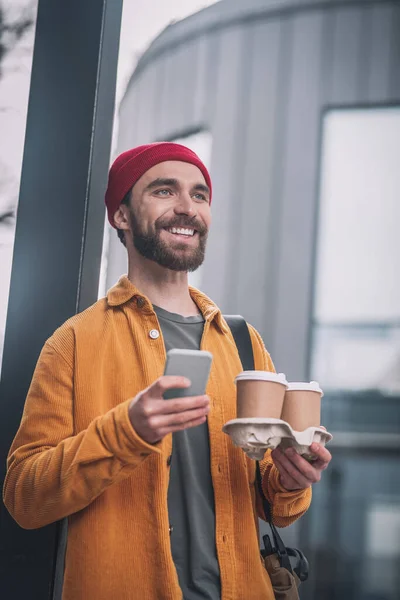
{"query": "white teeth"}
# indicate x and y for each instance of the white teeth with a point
(181, 231)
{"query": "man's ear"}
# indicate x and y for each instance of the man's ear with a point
(121, 218)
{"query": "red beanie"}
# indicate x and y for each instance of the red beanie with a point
(129, 166)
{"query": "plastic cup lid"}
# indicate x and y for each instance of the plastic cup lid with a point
(262, 376)
(299, 386)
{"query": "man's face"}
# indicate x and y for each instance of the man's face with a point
(169, 215)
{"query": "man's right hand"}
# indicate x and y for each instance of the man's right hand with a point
(152, 417)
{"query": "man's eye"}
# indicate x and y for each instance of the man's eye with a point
(200, 197)
(163, 192)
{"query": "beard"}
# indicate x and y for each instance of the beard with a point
(176, 258)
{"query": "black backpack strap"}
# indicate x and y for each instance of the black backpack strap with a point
(241, 335)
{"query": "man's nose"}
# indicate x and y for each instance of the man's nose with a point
(185, 205)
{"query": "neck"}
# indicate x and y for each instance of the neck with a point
(164, 288)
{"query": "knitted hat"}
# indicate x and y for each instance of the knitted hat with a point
(129, 166)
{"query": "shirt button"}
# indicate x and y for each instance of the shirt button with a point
(140, 302)
(154, 334)
(171, 530)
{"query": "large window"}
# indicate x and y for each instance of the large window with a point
(356, 327)
(357, 305)
(352, 533)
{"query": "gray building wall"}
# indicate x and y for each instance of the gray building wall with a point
(258, 76)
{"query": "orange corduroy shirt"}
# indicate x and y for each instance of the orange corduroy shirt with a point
(77, 455)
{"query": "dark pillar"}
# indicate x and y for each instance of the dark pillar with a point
(59, 229)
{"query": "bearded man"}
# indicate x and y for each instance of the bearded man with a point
(160, 504)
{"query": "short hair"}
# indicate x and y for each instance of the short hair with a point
(120, 232)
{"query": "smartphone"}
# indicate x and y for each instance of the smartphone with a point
(193, 364)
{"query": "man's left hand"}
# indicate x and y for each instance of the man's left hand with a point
(296, 473)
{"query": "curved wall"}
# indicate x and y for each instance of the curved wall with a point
(258, 76)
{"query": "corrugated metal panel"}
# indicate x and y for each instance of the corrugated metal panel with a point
(179, 90)
(380, 52)
(258, 173)
(295, 222)
(224, 150)
(129, 117)
(214, 59)
(395, 59)
(128, 120)
(239, 199)
(149, 90)
(346, 56)
(202, 92)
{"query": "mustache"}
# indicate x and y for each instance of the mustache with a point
(185, 222)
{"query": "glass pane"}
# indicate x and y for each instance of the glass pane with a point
(352, 532)
(17, 33)
(359, 252)
(357, 296)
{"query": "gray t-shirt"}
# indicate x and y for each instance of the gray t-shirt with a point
(190, 494)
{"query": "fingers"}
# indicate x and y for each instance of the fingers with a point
(298, 473)
(288, 482)
(176, 420)
(167, 382)
(182, 404)
(152, 408)
(289, 466)
(323, 455)
(153, 417)
(181, 427)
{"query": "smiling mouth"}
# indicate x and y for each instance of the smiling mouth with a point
(186, 232)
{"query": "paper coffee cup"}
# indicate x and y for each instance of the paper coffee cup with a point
(260, 394)
(302, 405)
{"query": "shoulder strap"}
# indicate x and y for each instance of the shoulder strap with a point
(241, 335)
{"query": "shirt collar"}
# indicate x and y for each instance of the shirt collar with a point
(125, 290)
(122, 292)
